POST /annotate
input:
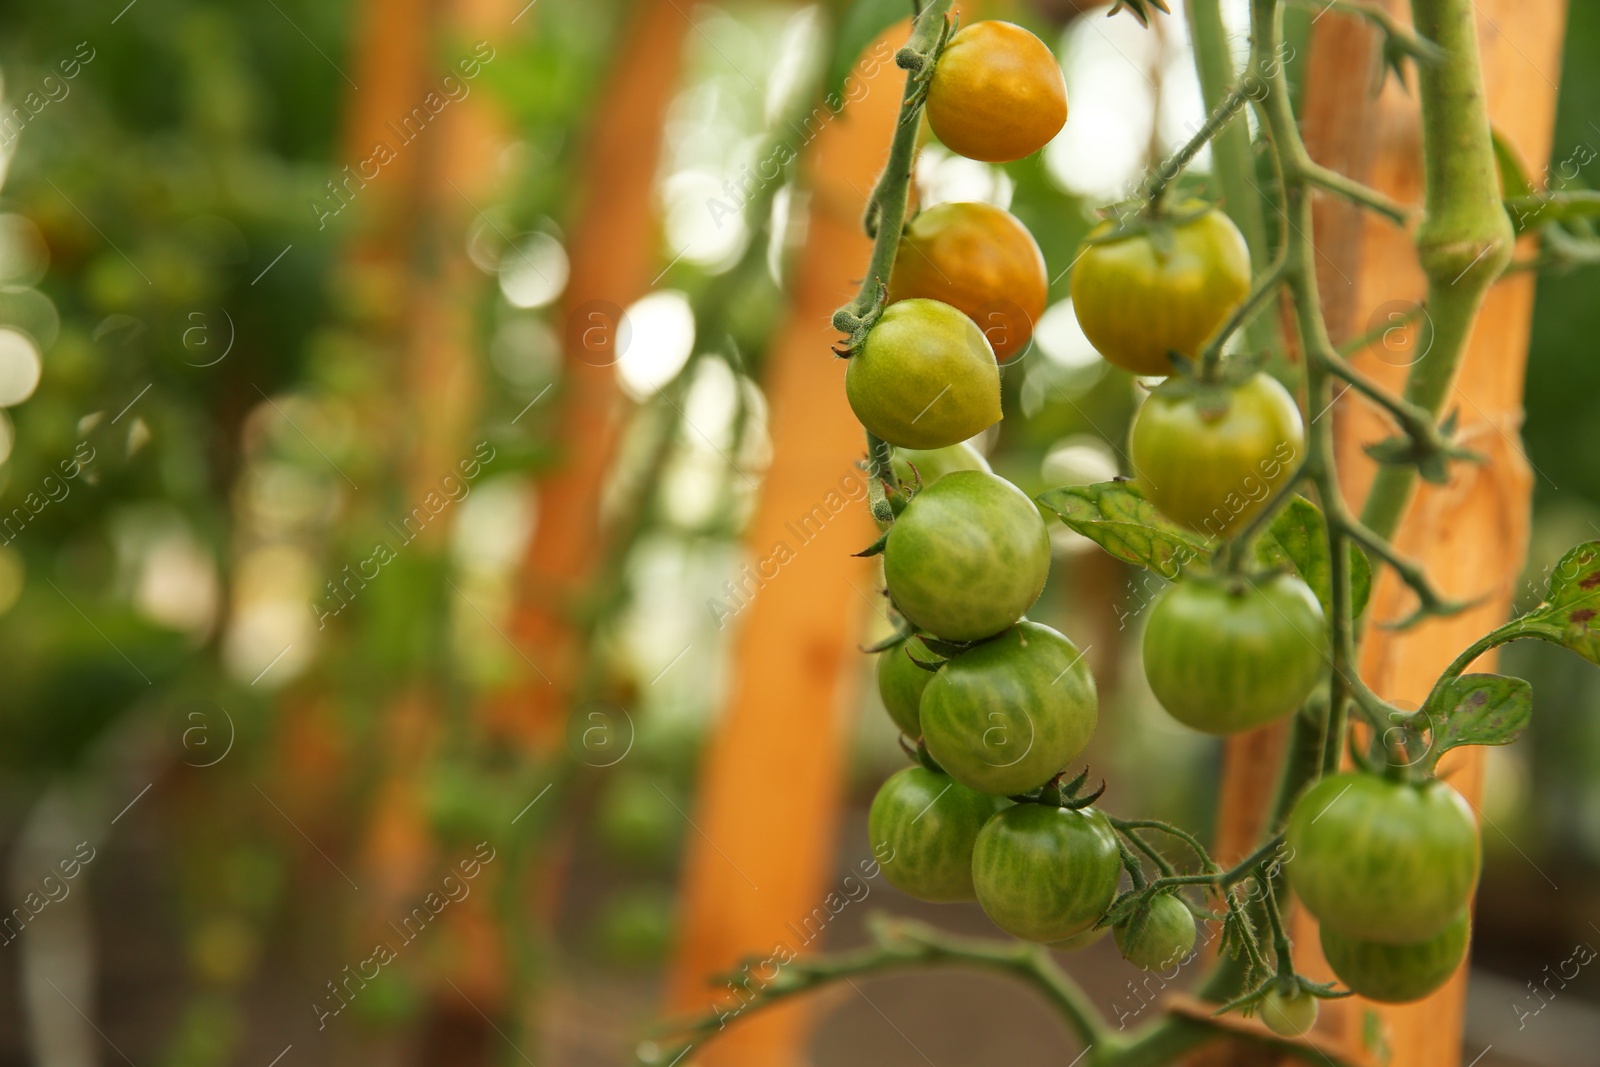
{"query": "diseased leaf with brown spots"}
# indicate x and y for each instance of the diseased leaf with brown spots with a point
(1571, 608)
(1479, 709)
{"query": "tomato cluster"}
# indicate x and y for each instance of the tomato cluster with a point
(1000, 704)
(1388, 868)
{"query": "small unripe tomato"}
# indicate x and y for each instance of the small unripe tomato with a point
(967, 557)
(901, 682)
(1137, 301)
(997, 93)
(1289, 1014)
(934, 463)
(1379, 860)
(922, 826)
(925, 377)
(1213, 467)
(980, 259)
(1009, 713)
(1162, 940)
(1044, 873)
(1396, 974)
(1229, 654)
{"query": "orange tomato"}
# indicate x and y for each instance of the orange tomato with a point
(997, 93)
(979, 259)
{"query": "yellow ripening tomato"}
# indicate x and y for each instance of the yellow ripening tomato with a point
(1137, 301)
(980, 260)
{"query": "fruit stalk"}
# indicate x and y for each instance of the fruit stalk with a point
(886, 210)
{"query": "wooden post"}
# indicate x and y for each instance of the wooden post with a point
(762, 844)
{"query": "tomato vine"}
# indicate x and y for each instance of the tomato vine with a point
(1464, 243)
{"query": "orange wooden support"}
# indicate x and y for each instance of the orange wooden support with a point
(613, 251)
(764, 821)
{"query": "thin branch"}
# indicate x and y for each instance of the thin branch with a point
(1354, 191)
(1265, 286)
(1167, 171)
(896, 944)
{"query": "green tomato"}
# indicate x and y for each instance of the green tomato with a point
(925, 377)
(1007, 715)
(1163, 939)
(967, 557)
(1289, 1014)
(1379, 860)
(1137, 301)
(1395, 974)
(901, 682)
(934, 463)
(1230, 654)
(1211, 468)
(1044, 873)
(928, 822)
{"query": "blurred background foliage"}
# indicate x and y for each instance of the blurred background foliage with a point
(208, 422)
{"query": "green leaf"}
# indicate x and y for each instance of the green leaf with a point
(1480, 709)
(1117, 517)
(1513, 175)
(1569, 614)
(1537, 209)
(860, 26)
(1297, 536)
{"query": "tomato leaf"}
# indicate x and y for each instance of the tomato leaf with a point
(1480, 709)
(1297, 536)
(1570, 614)
(1117, 517)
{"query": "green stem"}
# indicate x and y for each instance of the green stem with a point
(887, 206)
(897, 944)
(1263, 290)
(1232, 159)
(1465, 240)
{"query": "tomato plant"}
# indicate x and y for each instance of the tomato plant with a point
(1045, 873)
(1143, 296)
(1007, 714)
(1212, 457)
(997, 93)
(923, 826)
(979, 259)
(1263, 619)
(925, 378)
(1230, 654)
